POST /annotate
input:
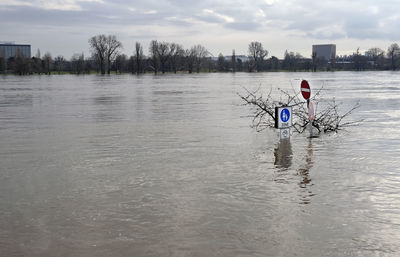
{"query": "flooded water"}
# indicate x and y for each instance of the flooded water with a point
(169, 166)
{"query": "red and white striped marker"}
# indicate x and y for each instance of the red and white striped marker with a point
(305, 89)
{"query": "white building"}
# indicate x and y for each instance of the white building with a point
(327, 52)
(11, 50)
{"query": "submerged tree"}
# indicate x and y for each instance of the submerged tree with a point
(257, 53)
(121, 63)
(200, 53)
(164, 53)
(291, 61)
(154, 57)
(377, 55)
(59, 64)
(177, 55)
(98, 45)
(190, 58)
(233, 61)
(77, 63)
(37, 62)
(359, 60)
(47, 63)
(393, 53)
(21, 64)
(138, 58)
(221, 63)
(328, 118)
(113, 45)
(105, 50)
(3, 61)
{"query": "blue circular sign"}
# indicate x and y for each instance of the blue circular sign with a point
(285, 115)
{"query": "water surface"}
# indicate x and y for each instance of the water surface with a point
(169, 166)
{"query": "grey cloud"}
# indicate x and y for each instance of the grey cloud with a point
(246, 26)
(36, 16)
(209, 18)
(321, 20)
(331, 19)
(177, 21)
(330, 36)
(292, 15)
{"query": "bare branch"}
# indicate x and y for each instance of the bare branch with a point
(327, 119)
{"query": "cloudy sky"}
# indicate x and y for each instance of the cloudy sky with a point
(63, 27)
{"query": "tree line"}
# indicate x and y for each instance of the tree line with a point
(162, 57)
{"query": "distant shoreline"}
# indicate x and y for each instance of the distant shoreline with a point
(183, 73)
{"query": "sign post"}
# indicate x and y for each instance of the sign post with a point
(283, 120)
(311, 111)
(306, 92)
(311, 115)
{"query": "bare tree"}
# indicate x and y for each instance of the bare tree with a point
(154, 57)
(291, 61)
(233, 61)
(274, 62)
(77, 63)
(315, 61)
(98, 45)
(88, 65)
(120, 63)
(332, 62)
(221, 63)
(257, 54)
(377, 56)
(177, 54)
(21, 64)
(48, 63)
(327, 119)
(164, 53)
(393, 53)
(3, 61)
(138, 58)
(200, 53)
(190, 57)
(113, 45)
(96, 61)
(105, 49)
(37, 63)
(132, 64)
(59, 63)
(359, 60)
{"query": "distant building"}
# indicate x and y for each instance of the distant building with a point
(242, 58)
(327, 52)
(228, 58)
(11, 50)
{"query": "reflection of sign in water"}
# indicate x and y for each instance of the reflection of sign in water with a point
(283, 154)
(285, 115)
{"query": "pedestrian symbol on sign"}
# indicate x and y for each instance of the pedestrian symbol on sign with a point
(285, 115)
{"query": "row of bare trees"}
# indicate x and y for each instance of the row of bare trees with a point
(46, 64)
(165, 57)
(22, 66)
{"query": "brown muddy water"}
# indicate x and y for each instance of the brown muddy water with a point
(169, 166)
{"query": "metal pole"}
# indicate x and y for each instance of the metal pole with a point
(308, 108)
